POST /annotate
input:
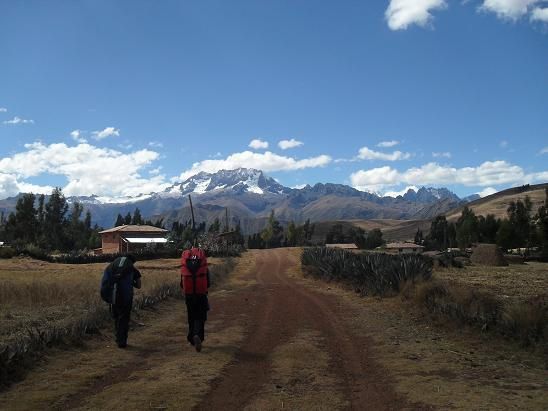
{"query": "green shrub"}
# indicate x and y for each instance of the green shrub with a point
(7, 252)
(372, 273)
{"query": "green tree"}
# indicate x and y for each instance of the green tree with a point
(488, 227)
(54, 221)
(77, 233)
(137, 218)
(26, 223)
(467, 228)
(215, 226)
(127, 219)
(273, 232)
(374, 239)
(506, 235)
(119, 221)
(335, 235)
(291, 234)
(438, 238)
(519, 215)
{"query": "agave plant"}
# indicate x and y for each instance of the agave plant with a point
(373, 273)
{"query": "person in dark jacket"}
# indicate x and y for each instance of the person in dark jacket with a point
(119, 279)
(197, 307)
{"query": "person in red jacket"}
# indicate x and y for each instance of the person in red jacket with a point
(194, 284)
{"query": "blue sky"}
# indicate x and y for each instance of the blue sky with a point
(122, 98)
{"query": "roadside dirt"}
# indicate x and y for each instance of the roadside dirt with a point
(276, 340)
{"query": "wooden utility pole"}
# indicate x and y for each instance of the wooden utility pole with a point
(192, 213)
(227, 228)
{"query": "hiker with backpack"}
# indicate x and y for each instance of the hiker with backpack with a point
(119, 279)
(194, 285)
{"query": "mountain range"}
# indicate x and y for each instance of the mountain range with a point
(250, 195)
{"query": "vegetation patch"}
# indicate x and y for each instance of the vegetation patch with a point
(370, 274)
(523, 320)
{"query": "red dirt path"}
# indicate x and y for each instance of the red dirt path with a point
(278, 308)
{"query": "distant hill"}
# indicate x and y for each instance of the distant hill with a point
(498, 203)
(392, 230)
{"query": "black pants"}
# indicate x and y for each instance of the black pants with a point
(196, 309)
(121, 315)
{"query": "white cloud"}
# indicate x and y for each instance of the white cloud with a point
(390, 143)
(77, 136)
(400, 14)
(374, 179)
(489, 173)
(487, 191)
(508, 9)
(544, 150)
(18, 120)
(445, 154)
(88, 169)
(258, 144)
(503, 144)
(10, 187)
(155, 171)
(106, 132)
(3, 110)
(285, 144)
(401, 192)
(156, 144)
(266, 161)
(366, 153)
(540, 14)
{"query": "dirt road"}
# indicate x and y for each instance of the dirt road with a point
(274, 341)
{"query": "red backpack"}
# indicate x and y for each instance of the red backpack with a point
(194, 271)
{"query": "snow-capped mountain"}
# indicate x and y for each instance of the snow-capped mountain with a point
(250, 196)
(428, 195)
(239, 181)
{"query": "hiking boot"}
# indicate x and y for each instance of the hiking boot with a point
(197, 343)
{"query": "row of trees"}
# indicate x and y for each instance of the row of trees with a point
(182, 233)
(51, 225)
(295, 235)
(356, 235)
(520, 229)
(137, 219)
(274, 235)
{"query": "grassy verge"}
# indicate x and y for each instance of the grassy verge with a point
(44, 304)
(509, 300)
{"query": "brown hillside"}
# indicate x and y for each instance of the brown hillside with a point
(392, 230)
(498, 203)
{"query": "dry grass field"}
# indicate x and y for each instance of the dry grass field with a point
(43, 303)
(39, 294)
(512, 283)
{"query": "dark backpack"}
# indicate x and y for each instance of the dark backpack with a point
(118, 269)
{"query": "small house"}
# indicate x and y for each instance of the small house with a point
(404, 248)
(128, 238)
